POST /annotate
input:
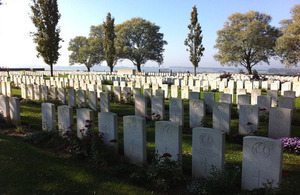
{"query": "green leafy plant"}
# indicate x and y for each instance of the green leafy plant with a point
(162, 174)
(101, 155)
(226, 181)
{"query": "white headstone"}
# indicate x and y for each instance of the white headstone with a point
(65, 119)
(14, 111)
(108, 127)
(273, 94)
(140, 102)
(157, 107)
(48, 117)
(71, 97)
(84, 122)
(254, 94)
(81, 98)
(168, 139)
(209, 99)
(280, 120)
(176, 110)
(135, 150)
(197, 111)
(222, 116)
(208, 150)
(262, 162)
(93, 100)
(4, 106)
(248, 119)
(104, 102)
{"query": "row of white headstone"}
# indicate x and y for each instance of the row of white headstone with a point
(262, 157)
(205, 81)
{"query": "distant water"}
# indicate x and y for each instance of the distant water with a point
(183, 69)
(150, 69)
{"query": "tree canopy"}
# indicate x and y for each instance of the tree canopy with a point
(87, 51)
(109, 43)
(194, 40)
(139, 40)
(45, 18)
(246, 40)
(288, 45)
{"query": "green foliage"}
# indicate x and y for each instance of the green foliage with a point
(288, 45)
(38, 137)
(139, 41)
(109, 43)
(226, 181)
(241, 71)
(162, 174)
(101, 155)
(107, 82)
(194, 40)
(226, 75)
(246, 40)
(45, 16)
(255, 75)
(87, 51)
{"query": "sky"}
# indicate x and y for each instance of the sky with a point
(173, 16)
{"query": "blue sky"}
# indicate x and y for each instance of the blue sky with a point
(17, 48)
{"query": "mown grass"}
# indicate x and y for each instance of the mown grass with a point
(53, 173)
(26, 169)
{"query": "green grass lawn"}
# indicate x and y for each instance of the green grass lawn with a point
(27, 169)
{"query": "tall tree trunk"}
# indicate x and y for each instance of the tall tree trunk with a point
(51, 70)
(89, 69)
(195, 70)
(249, 69)
(111, 69)
(138, 67)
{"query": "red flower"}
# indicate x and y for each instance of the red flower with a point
(166, 155)
(113, 141)
(69, 147)
(20, 98)
(158, 115)
(87, 126)
(98, 99)
(128, 93)
(88, 121)
(153, 113)
(262, 109)
(166, 98)
(249, 123)
(285, 175)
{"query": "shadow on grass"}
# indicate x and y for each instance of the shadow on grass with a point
(29, 170)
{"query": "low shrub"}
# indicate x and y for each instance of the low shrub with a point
(226, 181)
(226, 75)
(161, 175)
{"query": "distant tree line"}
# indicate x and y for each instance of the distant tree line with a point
(284, 71)
(245, 40)
(137, 40)
(249, 39)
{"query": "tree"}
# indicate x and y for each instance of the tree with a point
(139, 40)
(194, 40)
(246, 40)
(288, 45)
(45, 18)
(108, 43)
(87, 51)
